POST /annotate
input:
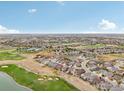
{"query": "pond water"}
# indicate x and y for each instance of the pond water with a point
(8, 84)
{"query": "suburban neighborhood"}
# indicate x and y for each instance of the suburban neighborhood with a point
(62, 46)
(98, 61)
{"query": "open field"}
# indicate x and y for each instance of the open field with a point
(89, 46)
(10, 56)
(93, 46)
(109, 57)
(36, 82)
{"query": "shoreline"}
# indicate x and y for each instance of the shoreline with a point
(30, 65)
(64, 86)
(7, 75)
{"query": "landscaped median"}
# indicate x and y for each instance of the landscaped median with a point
(35, 81)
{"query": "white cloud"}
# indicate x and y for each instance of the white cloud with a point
(61, 2)
(32, 10)
(107, 25)
(4, 30)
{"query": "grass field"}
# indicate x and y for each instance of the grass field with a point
(120, 46)
(94, 46)
(89, 46)
(109, 57)
(10, 56)
(37, 82)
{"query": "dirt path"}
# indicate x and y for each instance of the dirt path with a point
(31, 65)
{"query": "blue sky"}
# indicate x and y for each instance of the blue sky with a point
(61, 17)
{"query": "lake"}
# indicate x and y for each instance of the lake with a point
(8, 84)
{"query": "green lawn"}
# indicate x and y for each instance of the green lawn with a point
(10, 56)
(95, 46)
(120, 46)
(90, 46)
(32, 81)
